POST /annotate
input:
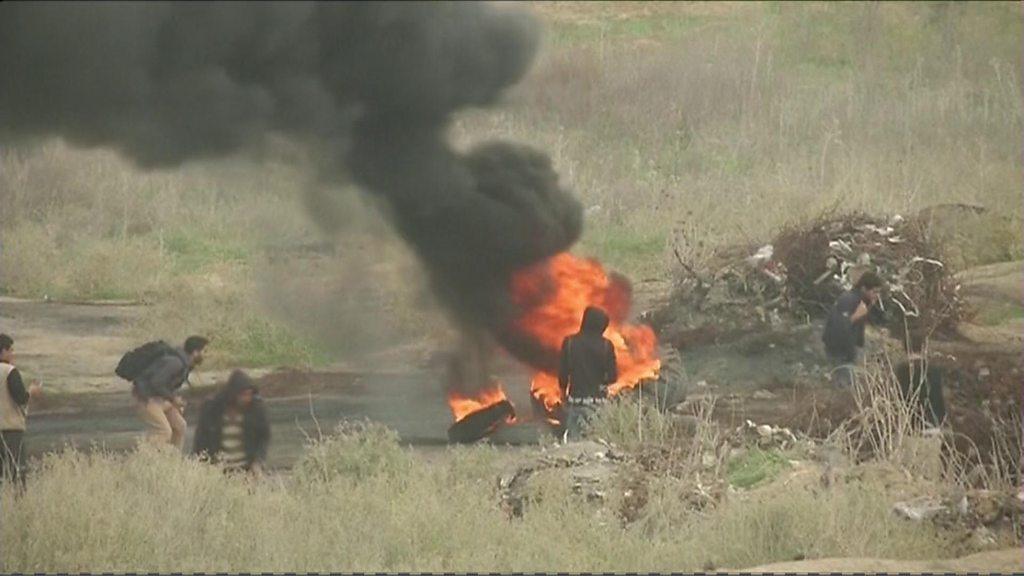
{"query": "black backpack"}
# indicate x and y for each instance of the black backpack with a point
(135, 361)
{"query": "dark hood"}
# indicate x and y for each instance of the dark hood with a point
(595, 321)
(238, 382)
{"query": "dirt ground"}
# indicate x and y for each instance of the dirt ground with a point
(73, 348)
(778, 376)
(769, 377)
(69, 347)
(1008, 561)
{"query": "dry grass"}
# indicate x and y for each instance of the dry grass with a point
(743, 120)
(887, 428)
(359, 502)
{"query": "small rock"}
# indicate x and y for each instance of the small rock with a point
(982, 538)
(763, 395)
(919, 509)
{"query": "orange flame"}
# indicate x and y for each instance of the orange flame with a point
(462, 405)
(555, 294)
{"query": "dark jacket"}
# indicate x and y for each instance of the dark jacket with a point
(162, 378)
(255, 428)
(841, 336)
(588, 359)
(16, 388)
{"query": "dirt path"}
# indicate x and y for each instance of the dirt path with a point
(997, 293)
(300, 405)
(73, 348)
(1008, 561)
(69, 347)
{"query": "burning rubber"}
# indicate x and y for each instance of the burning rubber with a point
(551, 297)
(481, 423)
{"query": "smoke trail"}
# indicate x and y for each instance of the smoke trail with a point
(371, 86)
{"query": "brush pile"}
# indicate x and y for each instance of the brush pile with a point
(800, 274)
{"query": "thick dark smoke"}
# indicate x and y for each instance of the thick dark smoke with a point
(371, 86)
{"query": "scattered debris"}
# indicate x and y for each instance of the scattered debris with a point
(918, 509)
(764, 436)
(977, 515)
(591, 466)
(802, 271)
(982, 538)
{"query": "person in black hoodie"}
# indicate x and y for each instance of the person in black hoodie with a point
(844, 329)
(233, 428)
(587, 368)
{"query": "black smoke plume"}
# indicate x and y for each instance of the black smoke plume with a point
(370, 86)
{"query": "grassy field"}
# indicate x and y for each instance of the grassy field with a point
(359, 502)
(679, 125)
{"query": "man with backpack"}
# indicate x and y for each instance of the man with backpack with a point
(157, 371)
(14, 399)
(587, 368)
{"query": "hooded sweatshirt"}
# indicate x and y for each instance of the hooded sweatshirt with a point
(588, 358)
(255, 424)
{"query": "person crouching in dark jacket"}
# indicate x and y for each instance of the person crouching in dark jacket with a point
(233, 428)
(587, 368)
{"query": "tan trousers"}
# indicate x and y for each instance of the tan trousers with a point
(164, 420)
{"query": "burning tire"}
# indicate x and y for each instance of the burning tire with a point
(481, 423)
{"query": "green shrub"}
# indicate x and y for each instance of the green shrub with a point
(356, 450)
(222, 306)
(755, 466)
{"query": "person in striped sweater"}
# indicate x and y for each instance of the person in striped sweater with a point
(233, 428)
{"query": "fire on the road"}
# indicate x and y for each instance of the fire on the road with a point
(569, 285)
(463, 405)
(553, 295)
